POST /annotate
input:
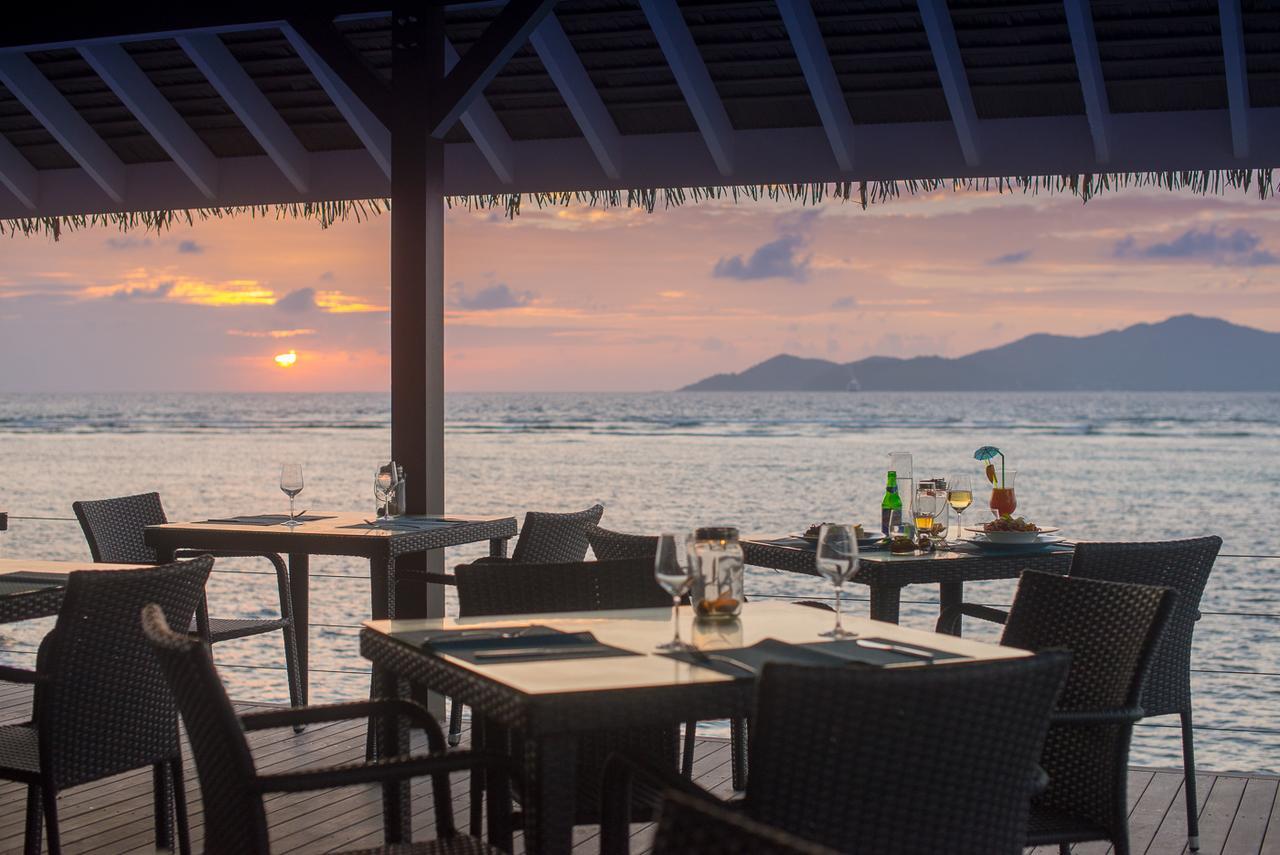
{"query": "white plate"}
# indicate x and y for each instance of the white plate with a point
(1040, 540)
(1011, 538)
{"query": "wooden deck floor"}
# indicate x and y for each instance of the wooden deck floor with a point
(1238, 814)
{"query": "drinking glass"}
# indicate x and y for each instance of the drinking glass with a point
(1003, 498)
(960, 496)
(674, 572)
(836, 560)
(291, 485)
(928, 505)
(384, 490)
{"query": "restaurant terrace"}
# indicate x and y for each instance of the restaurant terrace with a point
(142, 116)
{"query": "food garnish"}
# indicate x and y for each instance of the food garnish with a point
(1008, 523)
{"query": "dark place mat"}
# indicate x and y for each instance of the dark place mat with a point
(1017, 549)
(267, 519)
(811, 653)
(407, 524)
(13, 584)
(533, 644)
(809, 544)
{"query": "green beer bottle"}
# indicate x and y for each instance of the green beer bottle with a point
(891, 505)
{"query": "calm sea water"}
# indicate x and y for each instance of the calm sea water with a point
(1101, 466)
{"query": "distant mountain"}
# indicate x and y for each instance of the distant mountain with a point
(1183, 353)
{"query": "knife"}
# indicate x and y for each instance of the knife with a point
(894, 648)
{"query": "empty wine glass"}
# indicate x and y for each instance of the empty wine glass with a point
(960, 496)
(291, 485)
(384, 489)
(674, 572)
(836, 560)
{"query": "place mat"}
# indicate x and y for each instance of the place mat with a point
(266, 519)
(866, 544)
(1013, 549)
(431, 637)
(24, 582)
(546, 644)
(408, 524)
(810, 653)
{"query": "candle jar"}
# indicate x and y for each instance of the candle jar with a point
(717, 573)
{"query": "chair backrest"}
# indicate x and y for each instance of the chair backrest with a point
(235, 822)
(102, 705)
(916, 760)
(548, 538)
(1182, 565)
(579, 586)
(1111, 630)
(690, 825)
(114, 527)
(609, 545)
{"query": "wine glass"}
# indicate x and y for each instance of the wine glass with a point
(836, 559)
(960, 496)
(674, 572)
(291, 485)
(384, 488)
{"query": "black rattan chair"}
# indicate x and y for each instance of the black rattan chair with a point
(1181, 565)
(1112, 630)
(609, 545)
(918, 760)
(486, 589)
(545, 538)
(693, 825)
(102, 706)
(114, 529)
(235, 821)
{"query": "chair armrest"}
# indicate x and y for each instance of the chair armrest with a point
(626, 777)
(10, 674)
(949, 620)
(379, 771)
(1122, 715)
(1039, 780)
(417, 715)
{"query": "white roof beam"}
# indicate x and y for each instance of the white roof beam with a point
(695, 82)
(132, 86)
(18, 175)
(246, 100)
(368, 127)
(1237, 74)
(579, 93)
(60, 119)
(820, 74)
(1089, 69)
(485, 128)
(955, 83)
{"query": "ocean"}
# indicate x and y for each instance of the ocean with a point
(1100, 466)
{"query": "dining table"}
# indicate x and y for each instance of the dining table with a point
(886, 573)
(380, 541)
(33, 588)
(519, 674)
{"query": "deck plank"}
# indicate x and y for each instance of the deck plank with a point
(1238, 814)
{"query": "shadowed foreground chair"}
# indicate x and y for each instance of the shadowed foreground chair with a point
(1181, 565)
(545, 538)
(912, 760)
(486, 589)
(694, 825)
(102, 706)
(232, 790)
(1112, 631)
(114, 529)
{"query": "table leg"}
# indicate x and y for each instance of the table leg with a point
(380, 604)
(498, 547)
(479, 739)
(300, 597)
(550, 797)
(886, 602)
(392, 741)
(950, 596)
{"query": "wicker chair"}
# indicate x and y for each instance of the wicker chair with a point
(545, 538)
(1112, 630)
(102, 706)
(1181, 565)
(114, 529)
(609, 545)
(235, 821)
(918, 760)
(688, 825)
(486, 589)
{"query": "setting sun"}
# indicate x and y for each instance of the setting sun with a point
(286, 360)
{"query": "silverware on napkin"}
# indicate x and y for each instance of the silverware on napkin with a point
(533, 652)
(889, 647)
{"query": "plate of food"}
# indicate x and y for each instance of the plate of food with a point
(864, 539)
(1012, 531)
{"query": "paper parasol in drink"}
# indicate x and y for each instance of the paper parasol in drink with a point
(989, 453)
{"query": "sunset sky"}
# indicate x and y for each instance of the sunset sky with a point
(586, 299)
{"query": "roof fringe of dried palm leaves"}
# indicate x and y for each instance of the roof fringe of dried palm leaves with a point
(864, 193)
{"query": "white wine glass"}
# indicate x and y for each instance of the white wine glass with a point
(674, 572)
(384, 486)
(836, 559)
(960, 497)
(291, 485)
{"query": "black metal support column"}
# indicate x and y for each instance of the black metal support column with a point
(417, 282)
